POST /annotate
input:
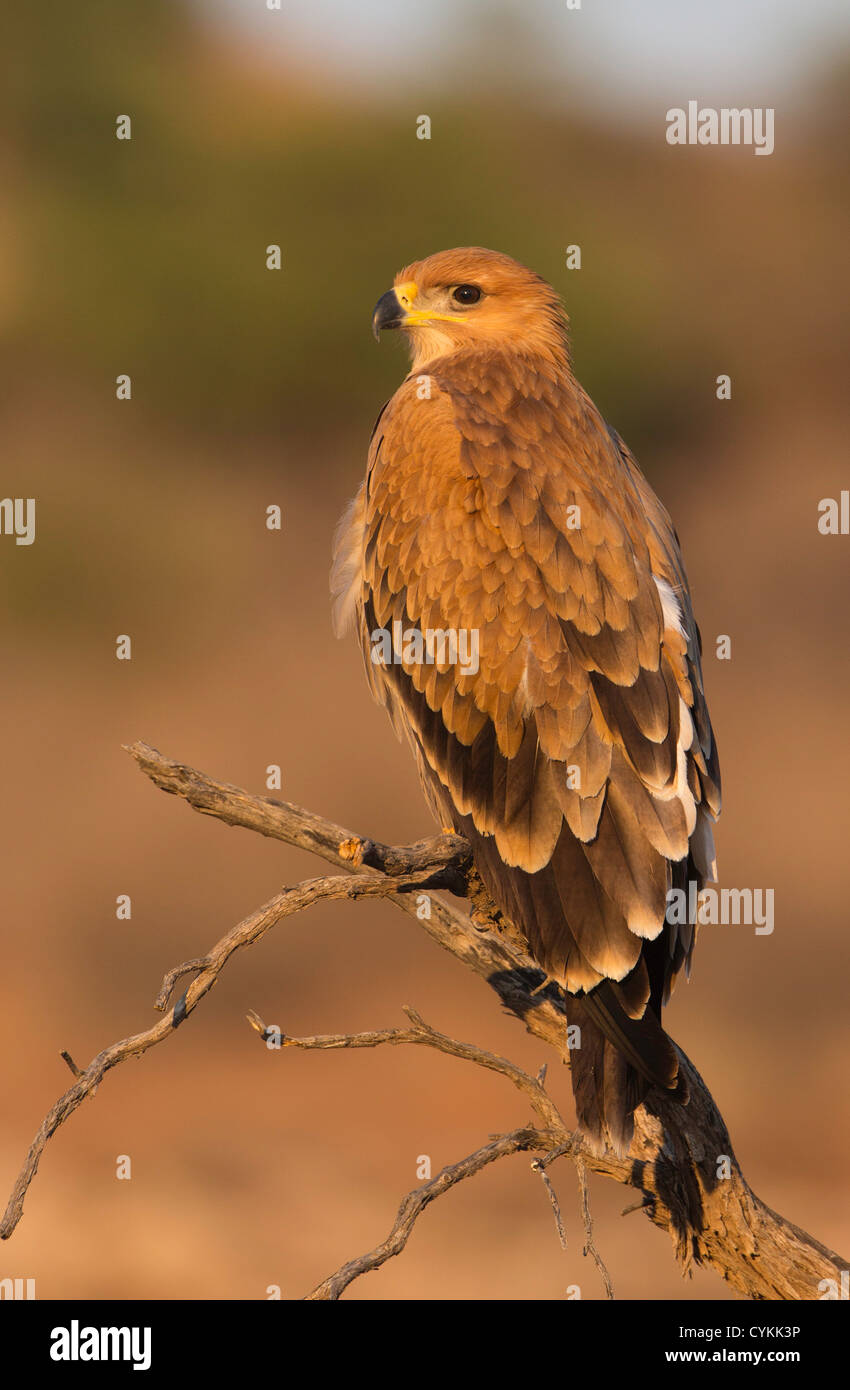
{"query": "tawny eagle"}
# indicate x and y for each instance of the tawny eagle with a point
(544, 661)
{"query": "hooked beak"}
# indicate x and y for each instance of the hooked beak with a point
(388, 313)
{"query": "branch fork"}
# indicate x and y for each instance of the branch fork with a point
(673, 1161)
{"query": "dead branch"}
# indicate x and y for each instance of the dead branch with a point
(415, 1203)
(555, 1132)
(420, 1033)
(676, 1156)
(538, 1166)
(206, 970)
(589, 1246)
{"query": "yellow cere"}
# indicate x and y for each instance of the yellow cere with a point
(406, 293)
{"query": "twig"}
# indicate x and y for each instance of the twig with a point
(416, 1201)
(422, 1034)
(589, 1246)
(538, 1167)
(72, 1066)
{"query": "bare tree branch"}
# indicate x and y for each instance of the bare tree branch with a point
(547, 1112)
(416, 1201)
(589, 1246)
(539, 1167)
(420, 1033)
(206, 970)
(678, 1152)
(423, 1035)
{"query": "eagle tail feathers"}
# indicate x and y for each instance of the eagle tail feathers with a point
(618, 1062)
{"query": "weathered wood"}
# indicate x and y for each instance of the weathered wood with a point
(677, 1155)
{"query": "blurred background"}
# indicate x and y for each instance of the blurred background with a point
(253, 388)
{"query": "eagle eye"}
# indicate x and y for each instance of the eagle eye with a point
(466, 294)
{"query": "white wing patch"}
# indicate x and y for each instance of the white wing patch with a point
(698, 819)
(674, 622)
(670, 607)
